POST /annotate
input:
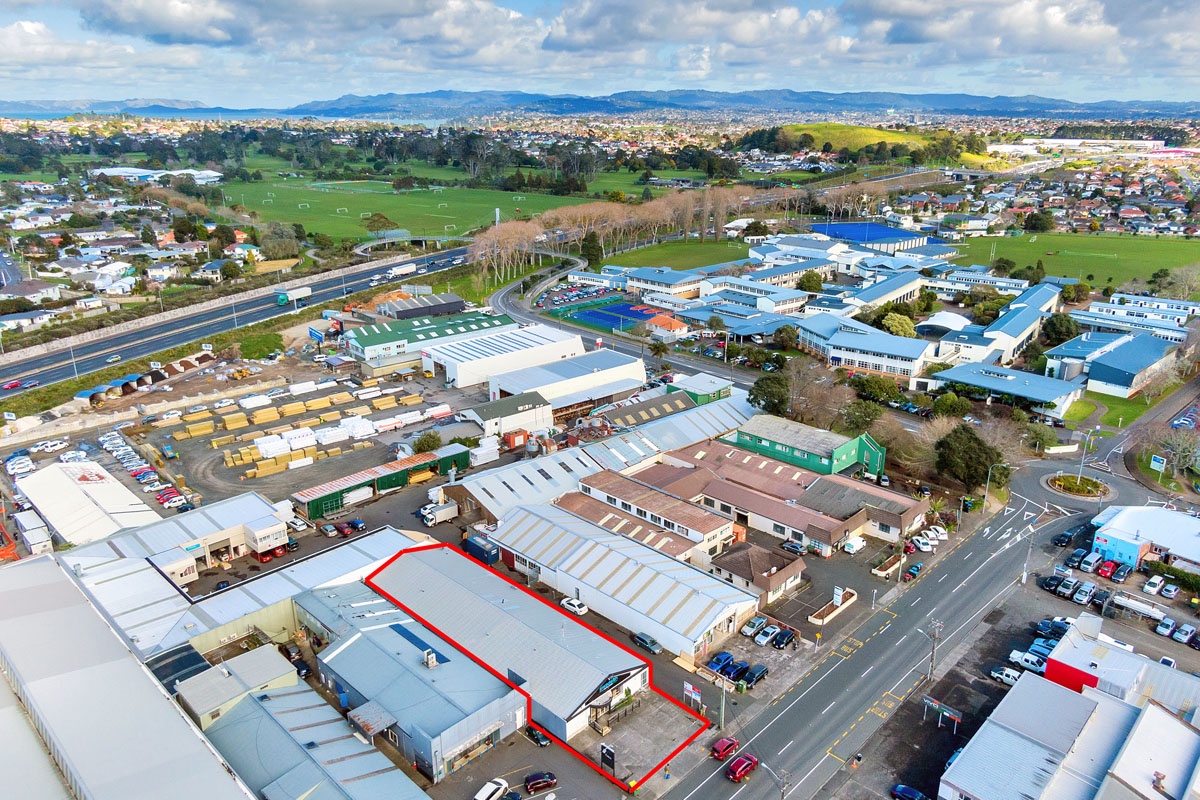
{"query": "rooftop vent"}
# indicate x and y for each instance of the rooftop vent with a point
(429, 658)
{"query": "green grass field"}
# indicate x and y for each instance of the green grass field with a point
(1123, 410)
(421, 211)
(627, 182)
(855, 136)
(1077, 255)
(682, 255)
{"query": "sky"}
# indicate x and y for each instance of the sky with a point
(277, 53)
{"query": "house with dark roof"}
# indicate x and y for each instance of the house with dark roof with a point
(767, 573)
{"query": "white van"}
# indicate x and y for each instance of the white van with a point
(1090, 562)
(854, 544)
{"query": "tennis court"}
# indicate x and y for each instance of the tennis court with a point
(863, 232)
(617, 315)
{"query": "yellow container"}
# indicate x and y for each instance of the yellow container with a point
(380, 403)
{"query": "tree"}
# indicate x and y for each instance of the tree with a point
(377, 223)
(659, 349)
(1040, 436)
(1067, 293)
(810, 281)
(279, 241)
(756, 228)
(1059, 328)
(1178, 446)
(590, 249)
(230, 269)
(647, 195)
(860, 415)
(771, 393)
(876, 387)
(785, 337)
(962, 455)
(1003, 266)
(148, 236)
(715, 324)
(899, 325)
(951, 405)
(427, 442)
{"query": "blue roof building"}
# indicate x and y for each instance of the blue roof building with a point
(1050, 396)
(855, 346)
(1114, 363)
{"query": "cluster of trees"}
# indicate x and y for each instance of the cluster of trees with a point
(1173, 137)
(899, 318)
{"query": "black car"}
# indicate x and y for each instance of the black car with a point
(1075, 557)
(537, 737)
(1121, 574)
(303, 669)
(736, 670)
(1101, 597)
(539, 782)
(647, 643)
(1194, 643)
(783, 639)
(1052, 583)
(754, 675)
(1063, 539)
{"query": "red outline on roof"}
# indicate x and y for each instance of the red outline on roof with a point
(369, 580)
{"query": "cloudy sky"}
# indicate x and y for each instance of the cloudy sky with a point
(273, 53)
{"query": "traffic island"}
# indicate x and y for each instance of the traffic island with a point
(834, 607)
(1077, 486)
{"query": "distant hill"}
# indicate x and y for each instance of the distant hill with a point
(447, 104)
(854, 137)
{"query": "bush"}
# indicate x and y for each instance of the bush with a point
(427, 442)
(1184, 579)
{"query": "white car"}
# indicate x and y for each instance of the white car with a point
(174, 413)
(20, 467)
(574, 606)
(922, 544)
(1154, 585)
(72, 455)
(226, 403)
(492, 790)
(157, 486)
(937, 531)
(175, 502)
(766, 635)
(296, 524)
(197, 409)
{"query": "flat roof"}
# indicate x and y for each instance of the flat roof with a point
(245, 672)
(507, 406)
(1174, 531)
(427, 329)
(465, 351)
(596, 362)
(654, 501)
(1085, 344)
(1002, 380)
(26, 762)
(362, 476)
(82, 502)
(702, 383)
(794, 434)
(639, 413)
(557, 661)
(118, 735)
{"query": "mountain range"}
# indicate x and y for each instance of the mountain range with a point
(451, 104)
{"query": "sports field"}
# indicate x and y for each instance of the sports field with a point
(335, 208)
(855, 136)
(1077, 255)
(611, 316)
(682, 255)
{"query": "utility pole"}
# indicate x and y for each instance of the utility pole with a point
(782, 778)
(934, 635)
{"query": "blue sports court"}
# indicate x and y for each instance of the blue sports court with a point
(864, 232)
(616, 315)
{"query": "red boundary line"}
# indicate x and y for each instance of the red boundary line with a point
(632, 785)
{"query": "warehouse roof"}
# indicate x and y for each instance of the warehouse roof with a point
(118, 735)
(81, 502)
(498, 344)
(1001, 380)
(420, 330)
(507, 406)
(1122, 364)
(673, 593)
(559, 662)
(290, 743)
(626, 524)
(381, 654)
(26, 762)
(1085, 344)
(216, 686)
(533, 378)
(639, 413)
(653, 500)
(702, 383)
(406, 305)
(794, 434)
(155, 616)
(303, 496)
(537, 480)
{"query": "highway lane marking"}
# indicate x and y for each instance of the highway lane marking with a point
(914, 602)
(769, 724)
(785, 747)
(868, 670)
(902, 638)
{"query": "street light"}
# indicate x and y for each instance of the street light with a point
(1087, 442)
(987, 486)
(782, 778)
(934, 636)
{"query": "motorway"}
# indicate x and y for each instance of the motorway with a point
(92, 356)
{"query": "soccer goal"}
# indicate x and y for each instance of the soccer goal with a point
(228, 199)
(343, 211)
(449, 228)
(302, 205)
(364, 214)
(443, 205)
(270, 194)
(272, 202)
(437, 189)
(518, 197)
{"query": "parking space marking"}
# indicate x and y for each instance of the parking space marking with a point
(785, 747)
(831, 705)
(739, 791)
(944, 574)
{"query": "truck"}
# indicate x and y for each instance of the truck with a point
(169, 452)
(293, 296)
(442, 513)
(1006, 675)
(483, 550)
(401, 269)
(1028, 661)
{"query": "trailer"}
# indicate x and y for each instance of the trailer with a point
(401, 270)
(483, 550)
(293, 295)
(1135, 605)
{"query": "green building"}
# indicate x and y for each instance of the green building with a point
(386, 347)
(329, 498)
(820, 451)
(702, 387)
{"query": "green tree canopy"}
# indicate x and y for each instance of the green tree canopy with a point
(771, 393)
(427, 442)
(1059, 328)
(860, 415)
(785, 337)
(966, 458)
(590, 249)
(951, 405)
(810, 281)
(899, 325)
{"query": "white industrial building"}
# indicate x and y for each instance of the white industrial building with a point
(686, 609)
(473, 361)
(594, 374)
(82, 502)
(528, 411)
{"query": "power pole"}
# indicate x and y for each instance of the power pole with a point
(934, 635)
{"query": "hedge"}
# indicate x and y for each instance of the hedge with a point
(1183, 578)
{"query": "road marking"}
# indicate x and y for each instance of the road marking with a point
(785, 747)
(809, 773)
(831, 705)
(902, 638)
(885, 627)
(868, 670)
(914, 602)
(944, 574)
(739, 791)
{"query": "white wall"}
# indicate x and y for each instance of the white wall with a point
(472, 373)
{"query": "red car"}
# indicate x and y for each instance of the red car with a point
(741, 767)
(11, 385)
(343, 528)
(264, 558)
(1107, 569)
(724, 748)
(280, 551)
(909, 547)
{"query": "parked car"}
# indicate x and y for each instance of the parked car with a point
(540, 782)
(1052, 583)
(720, 661)
(1062, 539)
(1122, 573)
(902, 792)
(1076, 557)
(157, 486)
(576, 607)
(740, 768)
(792, 547)
(765, 636)
(754, 625)
(723, 748)
(647, 643)
(297, 524)
(492, 790)
(1170, 591)
(357, 524)
(736, 670)
(175, 502)
(1184, 634)
(1006, 675)
(1166, 627)
(291, 651)
(1028, 661)
(329, 530)
(922, 544)
(537, 737)
(754, 675)
(1154, 585)
(1084, 594)
(783, 639)
(292, 545)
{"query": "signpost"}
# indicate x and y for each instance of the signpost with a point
(608, 758)
(155, 365)
(206, 348)
(316, 335)
(691, 692)
(837, 595)
(942, 710)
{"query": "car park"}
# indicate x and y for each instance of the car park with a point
(1042, 648)
(736, 670)
(576, 607)
(540, 782)
(329, 531)
(1076, 557)
(765, 636)
(720, 661)
(1051, 583)
(724, 748)
(1028, 661)
(1122, 573)
(357, 525)
(1107, 569)
(1068, 587)
(296, 524)
(783, 639)
(754, 625)
(740, 768)
(537, 737)
(1006, 675)
(343, 528)
(1084, 594)
(1170, 591)
(922, 544)
(492, 790)
(754, 675)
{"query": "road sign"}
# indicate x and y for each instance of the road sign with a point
(316, 335)
(691, 692)
(945, 710)
(1158, 463)
(155, 365)
(206, 348)
(608, 756)
(10, 416)
(838, 591)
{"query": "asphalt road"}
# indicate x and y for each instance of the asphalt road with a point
(62, 365)
(10, 271)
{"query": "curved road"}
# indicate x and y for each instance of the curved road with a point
(92, 356)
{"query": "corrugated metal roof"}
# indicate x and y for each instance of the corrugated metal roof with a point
(674, 594)
(561, 661)
(82, 502)
(537, 480)
(356, 478)
(497, 344)
(427, 329)
(529, 379)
